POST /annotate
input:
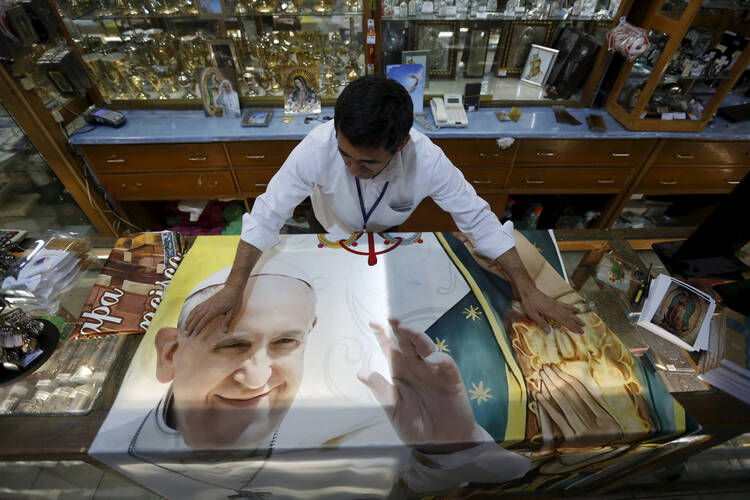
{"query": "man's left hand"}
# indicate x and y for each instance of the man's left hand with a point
(541, 309)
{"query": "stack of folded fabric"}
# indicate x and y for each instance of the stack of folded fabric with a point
(36, 282)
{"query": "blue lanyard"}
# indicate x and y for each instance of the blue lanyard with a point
(366, 215)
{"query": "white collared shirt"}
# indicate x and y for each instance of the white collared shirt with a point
(315, 168)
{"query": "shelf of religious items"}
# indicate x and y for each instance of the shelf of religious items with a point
(696, 52)
(150, 53)
(531, 52)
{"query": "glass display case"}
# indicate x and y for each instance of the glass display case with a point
(698, 51)
(530, 51)
(151, 50)
(32, 198)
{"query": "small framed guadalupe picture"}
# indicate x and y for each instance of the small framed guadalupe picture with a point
(257, 117)
(538, 65)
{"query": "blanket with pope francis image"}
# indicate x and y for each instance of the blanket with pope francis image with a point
(549, 410)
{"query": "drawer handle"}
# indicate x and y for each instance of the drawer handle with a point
(545, 153)
(114, 159)
(620, 155)
(255, 157)
(668, 183)
(730, 181)
(486, 181)
(533, 181)
(137, 185)
(485, 155)
(605, 181)
(198, 158)
(685, 156)
(261, 184)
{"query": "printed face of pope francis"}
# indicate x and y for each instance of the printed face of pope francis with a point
(231, 390)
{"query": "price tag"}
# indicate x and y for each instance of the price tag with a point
(520, 10)
(679, 116)
(427, 8)
(502, 72)
(451, 10)
(667, 116)
(481, 15)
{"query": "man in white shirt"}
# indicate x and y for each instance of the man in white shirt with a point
(369, 170)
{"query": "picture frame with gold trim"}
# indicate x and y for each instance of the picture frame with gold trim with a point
(521, 35)
(441, 39)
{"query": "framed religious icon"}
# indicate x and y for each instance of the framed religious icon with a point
(223, 53)
(418, 57)
(218, 92)
(441, 39)
(257, 117)
(301, 94)
(522, 35)
(538, 65)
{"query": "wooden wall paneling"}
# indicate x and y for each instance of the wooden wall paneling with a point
(45, 134)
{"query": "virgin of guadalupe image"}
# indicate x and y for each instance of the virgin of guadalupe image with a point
(300, 95)
(678, 317)
(210, 87)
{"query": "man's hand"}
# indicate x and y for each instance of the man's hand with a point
(538, 307)
(227, 301)
(541, 309)
(427, 402)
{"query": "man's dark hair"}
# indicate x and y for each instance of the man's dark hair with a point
(374, 112)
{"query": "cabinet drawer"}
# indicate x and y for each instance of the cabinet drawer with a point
(704, 153)
(569, 179)
(583, 152)
(260, 153)
(254, 179)
(168, 186)
(660, 180)
(486, 178)
(476, 152)
(155, 157)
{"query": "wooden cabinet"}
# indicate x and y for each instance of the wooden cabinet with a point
(254, 180)
(615, 168)
(260, 153)
(486, 178)
(156, 157)
(694, 180)
(169, 185)
(569, 179)
(697, 153)
(476, 152)
(622, 152)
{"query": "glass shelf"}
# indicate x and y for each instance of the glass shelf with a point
(98, 16)
(490, 16)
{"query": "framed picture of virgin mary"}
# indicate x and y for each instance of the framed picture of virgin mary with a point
(301, 93)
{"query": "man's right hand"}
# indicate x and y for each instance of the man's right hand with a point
(227, 301)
